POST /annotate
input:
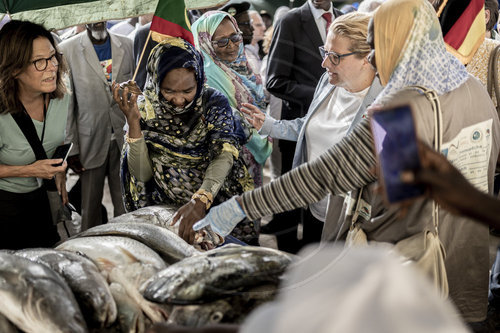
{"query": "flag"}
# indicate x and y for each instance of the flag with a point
(171, 20)
(464, 27)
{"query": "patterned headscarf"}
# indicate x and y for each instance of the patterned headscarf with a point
(236, 79)
(172, 53)
(409, 49)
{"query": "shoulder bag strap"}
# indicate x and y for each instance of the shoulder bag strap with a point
(26, 125)
(432, 96)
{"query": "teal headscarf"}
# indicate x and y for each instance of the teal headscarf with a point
(238, 83)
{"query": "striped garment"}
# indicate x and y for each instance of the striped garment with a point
(344, 167)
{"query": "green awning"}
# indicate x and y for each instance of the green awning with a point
(59, 14)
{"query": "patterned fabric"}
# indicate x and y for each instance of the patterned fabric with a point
(240, 85)
(183, 142)
(478, 66)
(410, 50)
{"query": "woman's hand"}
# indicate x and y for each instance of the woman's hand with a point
(224, 217)
(129, 108)
(127, 104)
(45, 169)
(253, 115)
(61, 186)
(188, 215)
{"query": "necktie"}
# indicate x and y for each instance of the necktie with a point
(328, 19)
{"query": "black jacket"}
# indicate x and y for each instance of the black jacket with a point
(294, 66)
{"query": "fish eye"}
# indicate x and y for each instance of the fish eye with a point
(216, 317)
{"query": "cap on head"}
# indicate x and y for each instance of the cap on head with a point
(235, 9)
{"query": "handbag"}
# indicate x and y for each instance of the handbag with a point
(423, 249)
(59, 212)
(493, 84)
(356, 236)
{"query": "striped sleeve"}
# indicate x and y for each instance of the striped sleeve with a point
(344, 167)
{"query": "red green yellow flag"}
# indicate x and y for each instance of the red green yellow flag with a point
(170, 20)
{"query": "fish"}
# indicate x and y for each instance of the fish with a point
(233, 309)
(6, 326)
(88, 285)
(219, 311)
(125, 261)
(36, 299)
(166, 243)
(120, 251)
(160, 215)
(215, 274)
(130, 317)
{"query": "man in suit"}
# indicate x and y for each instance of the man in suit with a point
(294, 69)
(95, 123)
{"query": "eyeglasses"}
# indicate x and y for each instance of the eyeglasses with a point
(223, 42)
(334, 57)
(41, 64)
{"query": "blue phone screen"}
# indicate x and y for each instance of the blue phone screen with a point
(396, 146)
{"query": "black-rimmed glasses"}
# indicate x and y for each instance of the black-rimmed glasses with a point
(42, 63)
(334, 57)
(223, 42)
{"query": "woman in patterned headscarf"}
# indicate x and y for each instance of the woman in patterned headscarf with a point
(181, 147)
(217, 36)
(408, 50)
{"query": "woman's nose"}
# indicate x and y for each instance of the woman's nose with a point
(179, 101)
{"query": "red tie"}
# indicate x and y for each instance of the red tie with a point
(328, 19)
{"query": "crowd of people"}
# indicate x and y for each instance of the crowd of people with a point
(197, 128)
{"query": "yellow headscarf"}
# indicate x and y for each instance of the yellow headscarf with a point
(394, 22)
(410, 50)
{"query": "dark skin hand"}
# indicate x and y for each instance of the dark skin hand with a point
(220, 328)
(449, 188)
(187, 216)
(75, 164)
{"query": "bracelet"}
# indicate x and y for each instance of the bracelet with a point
(206, 197)
(132, 140)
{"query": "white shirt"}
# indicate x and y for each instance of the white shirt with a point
(327, 126)
(320, 21)
(252, 53)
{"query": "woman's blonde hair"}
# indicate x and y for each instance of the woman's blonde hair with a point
(353, 26)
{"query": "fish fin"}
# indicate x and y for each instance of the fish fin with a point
(129, 255)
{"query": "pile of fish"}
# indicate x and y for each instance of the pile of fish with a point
(133, 272)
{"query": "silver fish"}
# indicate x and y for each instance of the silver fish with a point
(160, 215)
(117, 250)
(82, 276)
(166, 243)
(115, 255)
(6, 326)
(36, 299)
(215, 274)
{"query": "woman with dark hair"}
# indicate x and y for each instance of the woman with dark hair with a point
(31, 89)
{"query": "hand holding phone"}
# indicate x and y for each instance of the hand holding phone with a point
(395, 141)
(62, 151)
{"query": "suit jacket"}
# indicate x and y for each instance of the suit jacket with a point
(294, 65)
(93, 113)
(294, 130)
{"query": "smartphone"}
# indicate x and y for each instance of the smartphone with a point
(62, 151)
(395, 139)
